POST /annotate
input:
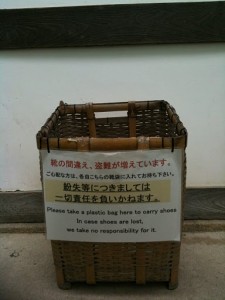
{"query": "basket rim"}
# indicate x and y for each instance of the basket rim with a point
(44, 141)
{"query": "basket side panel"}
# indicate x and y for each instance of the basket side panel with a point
(116, 262)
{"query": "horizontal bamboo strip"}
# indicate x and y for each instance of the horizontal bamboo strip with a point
(110, 144)
(103, 107)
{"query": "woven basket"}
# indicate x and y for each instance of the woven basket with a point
(148, 125)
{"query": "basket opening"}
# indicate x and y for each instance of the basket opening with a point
(151, 121)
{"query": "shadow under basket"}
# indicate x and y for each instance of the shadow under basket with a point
(147, 125)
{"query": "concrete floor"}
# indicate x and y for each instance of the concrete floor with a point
(27, 272)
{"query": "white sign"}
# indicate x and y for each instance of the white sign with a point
(126, 196)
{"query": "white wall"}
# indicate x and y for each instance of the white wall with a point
(53, 3)
(190, 77)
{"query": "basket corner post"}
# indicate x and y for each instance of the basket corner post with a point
(173, 282)
(172, 286)
(60, 278)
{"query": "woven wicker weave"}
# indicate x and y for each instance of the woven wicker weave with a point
(148, 125)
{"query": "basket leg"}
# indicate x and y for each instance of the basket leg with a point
(173, 283)
(62, 284)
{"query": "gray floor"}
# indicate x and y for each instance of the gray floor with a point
(27, 272)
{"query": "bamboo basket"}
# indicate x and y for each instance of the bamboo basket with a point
(148, 125)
